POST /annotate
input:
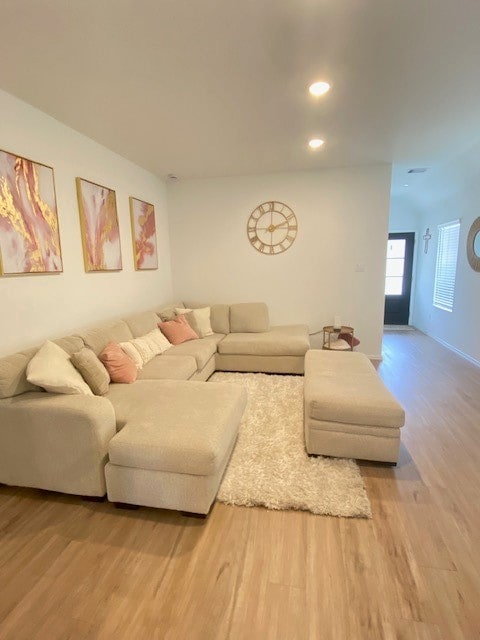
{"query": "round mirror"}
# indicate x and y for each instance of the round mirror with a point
(473, 245)
(476, 245)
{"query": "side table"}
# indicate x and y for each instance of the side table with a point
(327, 335)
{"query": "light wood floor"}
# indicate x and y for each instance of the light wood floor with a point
(75, 570)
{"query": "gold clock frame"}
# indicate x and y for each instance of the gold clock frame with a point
(266, 248)
(473, 258)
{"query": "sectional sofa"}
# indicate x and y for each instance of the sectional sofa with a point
(163, 441)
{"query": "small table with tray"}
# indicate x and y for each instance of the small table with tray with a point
(331, 345)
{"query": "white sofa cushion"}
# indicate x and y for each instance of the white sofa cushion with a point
(142, 323)
(172, 368)
(202, 350)
(198, 423)
(98, 337)
(51, 369)
(279, 341)
(249, 317)
(147, 347)
(198, 319)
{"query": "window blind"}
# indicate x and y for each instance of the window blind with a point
(446, 265)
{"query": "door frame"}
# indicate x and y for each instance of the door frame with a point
(409, 237)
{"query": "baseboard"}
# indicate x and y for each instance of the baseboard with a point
(449, 346)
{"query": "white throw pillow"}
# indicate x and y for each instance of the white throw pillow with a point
(51, 369)
(147, 346)
(132, 353)
(199, 320)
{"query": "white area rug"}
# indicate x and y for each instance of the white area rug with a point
(269, 465)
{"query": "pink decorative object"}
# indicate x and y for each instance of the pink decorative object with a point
(142, 216)
(178, 330)
(119, 366)
(99, 224)
(29, 236)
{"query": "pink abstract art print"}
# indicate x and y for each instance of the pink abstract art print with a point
(99, 225)
(29, 235)
(142, 215)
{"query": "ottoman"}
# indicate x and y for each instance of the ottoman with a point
(349, 413)
(175, 441)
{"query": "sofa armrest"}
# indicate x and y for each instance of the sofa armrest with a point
(56, 442)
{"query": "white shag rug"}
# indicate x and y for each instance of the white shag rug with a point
(269, 465)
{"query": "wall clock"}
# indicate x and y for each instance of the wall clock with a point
(272, 227)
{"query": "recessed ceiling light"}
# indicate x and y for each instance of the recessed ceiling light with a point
(315, 143)
(405, 185)
(319, 88)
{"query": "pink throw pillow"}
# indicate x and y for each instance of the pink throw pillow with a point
(119, 366)
(178, 330)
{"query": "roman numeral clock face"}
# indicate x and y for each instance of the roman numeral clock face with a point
(272, 228)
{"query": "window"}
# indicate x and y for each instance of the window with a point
(446, 267)
(395, 267)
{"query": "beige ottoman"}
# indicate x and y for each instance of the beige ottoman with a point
(176, 442)
(349, 413)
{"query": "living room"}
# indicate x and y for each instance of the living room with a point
(205, 111)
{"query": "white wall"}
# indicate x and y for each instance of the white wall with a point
(35, 307)
(343, 221)
(452, 192)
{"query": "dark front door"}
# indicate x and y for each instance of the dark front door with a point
(398, 281)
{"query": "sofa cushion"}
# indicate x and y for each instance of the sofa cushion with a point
(220, 318)
(202, 350)
(70, 344)
(91, 370)
(177, 330)
(51, 369)
(147, 346)
(175, 426)
(345, 388)
(132, 353)
(199, 320)
(171, 368)
(98, 337)
(119, 366)
(219, 315)
(289, 340)
(13, 375)
(249, 317)
(142, 323)
(167, 312)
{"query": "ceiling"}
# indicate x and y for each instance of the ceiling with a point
(219, 87)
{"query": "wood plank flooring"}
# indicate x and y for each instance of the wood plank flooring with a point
(76, 570)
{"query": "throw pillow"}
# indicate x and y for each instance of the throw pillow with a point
(132, 353)
(119, 366)
(349, 339)
(51, 369)
(199, 320)
(146, 347)
(178, 330)
(91, 370)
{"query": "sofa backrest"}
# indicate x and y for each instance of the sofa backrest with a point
(249, 317)
(167, 311)
(98, 337)
(142, 323)
(13, 369)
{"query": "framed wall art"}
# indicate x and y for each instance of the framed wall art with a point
(29, 234)
(142, 217)
(99, 226)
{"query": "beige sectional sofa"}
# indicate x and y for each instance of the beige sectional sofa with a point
(163, 441)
